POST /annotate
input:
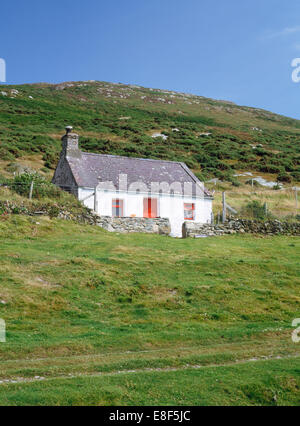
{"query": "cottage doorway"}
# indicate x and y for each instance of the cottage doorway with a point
(150, 207)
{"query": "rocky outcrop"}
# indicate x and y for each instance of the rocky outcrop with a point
(241, 226)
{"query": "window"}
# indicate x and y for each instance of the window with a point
(150, 207)
(117, 208)
(189, 211)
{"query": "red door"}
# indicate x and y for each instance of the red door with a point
(150, 207)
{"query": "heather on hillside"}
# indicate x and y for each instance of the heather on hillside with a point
(213, 138)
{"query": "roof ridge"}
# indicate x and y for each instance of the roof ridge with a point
(194, 177)
(131, 158)
(189, 172)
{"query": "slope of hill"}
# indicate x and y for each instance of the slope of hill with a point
(90, 320)
(214, 138)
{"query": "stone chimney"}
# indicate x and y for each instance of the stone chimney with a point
(70, 143)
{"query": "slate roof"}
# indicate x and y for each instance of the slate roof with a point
(88, 169)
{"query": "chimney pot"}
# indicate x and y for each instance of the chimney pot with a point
(70, 143)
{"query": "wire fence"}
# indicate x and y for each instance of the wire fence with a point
(281, 202)
(13, 184)
(257, 203)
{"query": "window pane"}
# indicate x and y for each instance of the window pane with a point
(189, 211)
(117, 208)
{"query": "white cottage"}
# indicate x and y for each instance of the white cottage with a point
(132, 187)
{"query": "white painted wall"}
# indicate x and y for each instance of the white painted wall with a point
(168, 207)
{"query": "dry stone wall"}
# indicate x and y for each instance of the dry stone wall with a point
(152, 226)
(241, 226)
(112, 224)
(135, 224)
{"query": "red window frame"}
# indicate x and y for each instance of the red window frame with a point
(150, 207)
(189, 211)
(117, 205)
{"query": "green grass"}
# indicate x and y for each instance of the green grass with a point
(79, 300)
(264, 383)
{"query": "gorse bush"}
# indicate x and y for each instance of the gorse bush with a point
(41, 187)
(210, 144)
(256, 210)
(284, 177)
(50, 159)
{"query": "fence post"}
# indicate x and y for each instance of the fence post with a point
(224, 207)
(296, 196)
(2, 331)
(96, 201)
(31, 190)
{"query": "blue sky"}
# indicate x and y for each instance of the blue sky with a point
(239, 50)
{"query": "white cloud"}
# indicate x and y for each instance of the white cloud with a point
(282, 33)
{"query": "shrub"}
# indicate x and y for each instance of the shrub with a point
(225, 175)
(252, 182)
(284, 177)
(276, 187)
(54, 211)
(235, 183)
(256, 210)
(50, 158)
(269, 168)
(41, 188)
(296, 176)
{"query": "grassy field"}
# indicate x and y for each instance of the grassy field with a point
(97, 318)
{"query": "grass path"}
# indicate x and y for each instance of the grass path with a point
(148, 370)
(146, 360)
(247, 382)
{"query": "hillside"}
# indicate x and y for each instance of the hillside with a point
(216, 139)
(98, 318)
(90, 320)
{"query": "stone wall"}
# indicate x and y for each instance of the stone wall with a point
(151, 226)
(85, 215)
(134, 224)
(241, 226)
